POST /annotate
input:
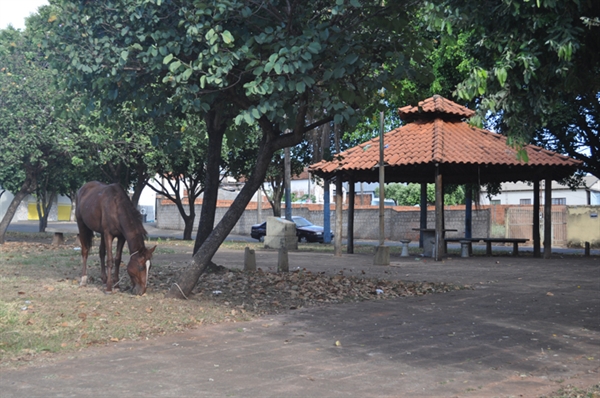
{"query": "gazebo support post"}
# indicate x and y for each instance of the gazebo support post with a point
(547, 217)
(439, 214)
(423, 220)
(382, 252)
(339, 214)
(536, 219)
(350, 233)
(326, 213)
(469, 214)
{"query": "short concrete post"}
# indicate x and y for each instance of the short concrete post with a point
(283, 262)
(249, 260)
(405, 243)
(58, 239)
(464, 248)
(382, 255)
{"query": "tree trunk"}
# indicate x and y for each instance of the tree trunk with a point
(27, 188)
(44, 205)
(140, 184)
(188, 277)
(188, 226)
(216, 130)
(277, 195)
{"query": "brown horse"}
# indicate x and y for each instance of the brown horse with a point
(107, 209)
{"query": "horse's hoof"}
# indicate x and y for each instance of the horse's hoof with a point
(108, 292)
(83, 281)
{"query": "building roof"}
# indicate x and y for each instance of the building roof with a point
(437, 135)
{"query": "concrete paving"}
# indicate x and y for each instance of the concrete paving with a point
(528, 327)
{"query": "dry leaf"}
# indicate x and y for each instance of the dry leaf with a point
(114, 339)
(82, 316)
(338, 344)
(549, 294)
(149, 309)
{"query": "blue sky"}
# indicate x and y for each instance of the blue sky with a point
(14, 12)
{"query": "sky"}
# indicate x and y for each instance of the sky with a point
(14, 12)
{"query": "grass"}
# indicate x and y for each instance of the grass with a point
(43, 309)
(575, 392)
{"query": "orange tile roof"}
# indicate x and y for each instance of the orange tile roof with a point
(438, 136)
(435, 106)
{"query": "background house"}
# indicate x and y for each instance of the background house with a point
(521, 193)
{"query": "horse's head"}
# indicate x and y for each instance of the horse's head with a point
(139, 268)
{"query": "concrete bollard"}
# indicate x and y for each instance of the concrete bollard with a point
(382, 255)
(249, 260)
(283, 262)
(58, 239)
(464, 248)
(405, 243)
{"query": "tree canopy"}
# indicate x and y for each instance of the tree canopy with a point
(255, 62)
(536, 66)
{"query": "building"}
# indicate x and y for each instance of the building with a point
(521, 193)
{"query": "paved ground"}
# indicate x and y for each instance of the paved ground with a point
(528, 327)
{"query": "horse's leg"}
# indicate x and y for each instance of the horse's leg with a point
(102, 251)
(120, 244)
(108, 240)
(85, 239)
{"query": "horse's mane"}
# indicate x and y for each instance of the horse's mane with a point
(128, 207)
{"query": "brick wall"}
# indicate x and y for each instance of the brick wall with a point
(399, 220)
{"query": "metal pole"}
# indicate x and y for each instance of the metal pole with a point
(381, 185)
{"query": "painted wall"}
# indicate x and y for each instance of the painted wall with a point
(583, 225)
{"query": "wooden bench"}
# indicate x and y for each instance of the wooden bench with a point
(514, 241)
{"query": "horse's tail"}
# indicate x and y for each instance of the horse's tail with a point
(88, 239)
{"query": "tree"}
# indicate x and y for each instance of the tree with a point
(275, 177)
(254, 62)
(33, 138)
(410, 194)
(536, 68)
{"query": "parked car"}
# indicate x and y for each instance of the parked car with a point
(305, 230)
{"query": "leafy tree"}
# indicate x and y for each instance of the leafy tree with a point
(410, 194)
(536, 67)
(267, 64)
(33, 139)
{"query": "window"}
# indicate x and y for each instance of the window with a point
(495, 202)
(525, 201)
(559, 201)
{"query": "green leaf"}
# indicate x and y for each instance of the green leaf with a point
(227, 37)
(501, 74)
(300, 87)
(314, 47)
(186, 74)
(174, 66)
(124, 55)
(167, 59)
(351, 58)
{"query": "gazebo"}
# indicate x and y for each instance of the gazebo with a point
(436, 145)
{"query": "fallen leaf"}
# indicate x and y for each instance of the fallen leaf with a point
(114, 339)
(82, 316)
(337, 343)
(149, 309)
(549, 294)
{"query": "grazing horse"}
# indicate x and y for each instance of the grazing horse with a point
(107, 209)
